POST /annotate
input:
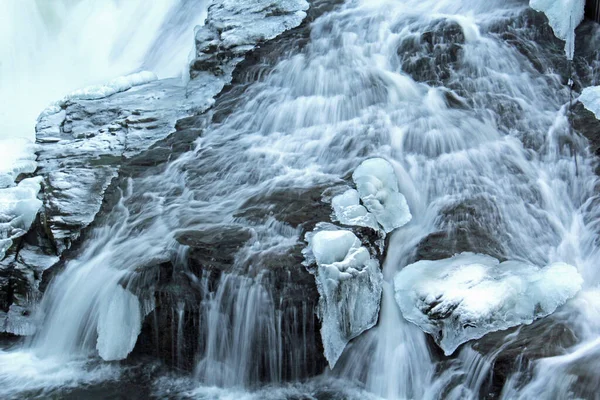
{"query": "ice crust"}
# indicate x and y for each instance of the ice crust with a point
(349, 211)
(564, 16)
(469, 295)
(53, 115)
(18, 208)
(350, 286)
(590, 98)
(116, 85)
(119, 325)
(377, 186)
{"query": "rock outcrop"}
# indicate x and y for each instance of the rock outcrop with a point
(86, 138)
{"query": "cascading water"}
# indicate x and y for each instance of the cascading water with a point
(50, 48)
(463, 101)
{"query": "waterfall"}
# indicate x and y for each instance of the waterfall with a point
(50, 48)
(463, 98)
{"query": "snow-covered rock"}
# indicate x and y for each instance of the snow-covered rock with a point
(349, 211)
(349, 282)
(377, 186)
(119, 325)
(564, 16)
(469, 295)
(590, 98)
(18, 208)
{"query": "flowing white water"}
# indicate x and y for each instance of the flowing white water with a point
(474, 124)
(50, 48)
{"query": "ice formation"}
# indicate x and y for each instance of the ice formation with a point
(590, 98)
(349, 211)
(116, 85)
(377, 186)
(119, 324)
(469, 295)
(18, 208)
(564, 16)
(17, 156)
(350, 286)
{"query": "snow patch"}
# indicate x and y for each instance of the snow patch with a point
(377, 186)
(349, 283)
(469, 295)
(564, 16)
(18, 208)
(119, 325)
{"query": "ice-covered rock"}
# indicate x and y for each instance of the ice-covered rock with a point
(113, 86)
(349, 211)
(349, 282)
(85, 135)
(232, 29)
(590, 98)
(83, 145)
(564, 16)
(19, 206)
(469, 295)
(377, 186)
(119, 324)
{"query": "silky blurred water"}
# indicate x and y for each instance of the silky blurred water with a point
(52, 47)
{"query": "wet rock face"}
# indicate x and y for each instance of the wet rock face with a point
(431, 56)
(83, 146)
(585, 123)
(231, 30)
(180, 330)
(20, 276)
(204, 279)
(469, 226)
(543, 338)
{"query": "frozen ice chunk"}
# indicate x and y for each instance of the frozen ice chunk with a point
(116, 85)
(590, 98)
(19, 206)
(378, 189)
(469, 295)
(17, 156)
(119, 324)
(564, 16)
(349, 211)
(350, 285)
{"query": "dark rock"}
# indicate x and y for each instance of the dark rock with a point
(516, 349)
(214, 247)
(585, 123)
(294, 206)
(431, 56)
(463, 228)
